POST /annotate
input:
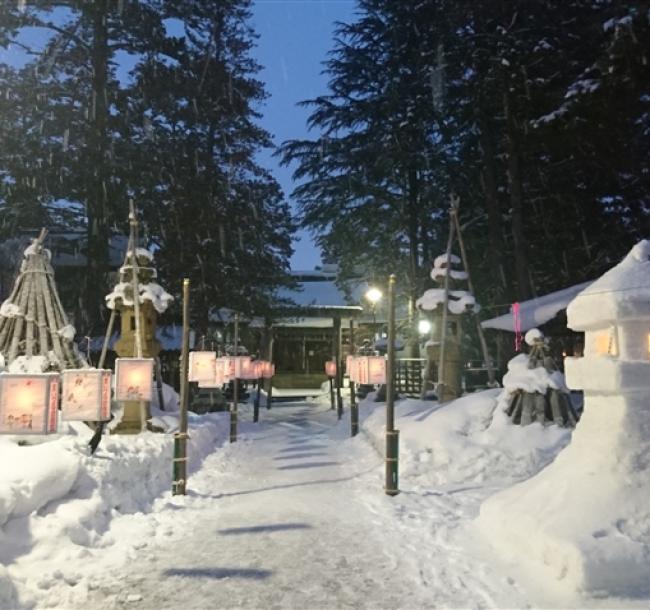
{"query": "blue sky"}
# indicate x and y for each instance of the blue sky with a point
(295, 37)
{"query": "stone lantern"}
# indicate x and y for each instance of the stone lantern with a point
(585, 518)
(153, 300)
(460, 301)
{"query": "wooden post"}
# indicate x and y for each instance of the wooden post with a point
(392, 436)
(256, 402)
(180, 438)
(339, 371)
(269, 393)
(354, 407)
(235, 387)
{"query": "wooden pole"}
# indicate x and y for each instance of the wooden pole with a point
(339, 371)
(486, 355)
(445, 303)
(392, 436)
(269, 394)
(235, 387)
(354, 407)
(180, 438)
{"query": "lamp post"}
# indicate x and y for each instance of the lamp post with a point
(354, 407)
(392, 436)
(235, 387)
(373, 295)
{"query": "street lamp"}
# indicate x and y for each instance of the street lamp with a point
(373, 295)
(424, 327)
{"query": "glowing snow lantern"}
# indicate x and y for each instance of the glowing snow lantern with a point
(202, 366)
(330, 368)
(86, 395)
(28, 403)
(134, 379)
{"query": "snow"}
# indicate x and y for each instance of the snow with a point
(67, 332)
(533, 335)
(152, 291)
(538, 379)
(441, 261)
(32, 364)
(293, 515)
(438, 273)
(538, 311)
(460, 301)
(623, 293)
(10, 310)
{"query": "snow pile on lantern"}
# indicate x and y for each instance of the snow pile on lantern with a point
(460, 301)
(586, 518)
(122, 293)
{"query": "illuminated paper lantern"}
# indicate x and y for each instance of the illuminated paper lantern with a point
(28, 403)
(245, 368)
(330, 368)
(376, 370)
(268, 369)
(202, 366)
(349, 367)
(361, 368)
(134, 379)
(86, 395)
(259, 369)
(227, 364)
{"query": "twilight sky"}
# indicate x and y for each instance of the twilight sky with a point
(295, 36)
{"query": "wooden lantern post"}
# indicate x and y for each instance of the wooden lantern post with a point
(354, 407)
(392, 435)
(180, 438)
(235, 387)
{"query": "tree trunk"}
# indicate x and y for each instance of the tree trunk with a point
(97, 231)
(413, 350)
(516, 201)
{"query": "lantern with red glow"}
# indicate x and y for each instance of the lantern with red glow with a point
(330, 368)
(86, 395)
(268, 369)
(376, 370)
(228, 367)
(28, 403)
(217, 376)
(349, 367)
(134, 379)
(246, 368)
(202, 366)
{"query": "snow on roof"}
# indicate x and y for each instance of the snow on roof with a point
(621, 293)
(538, 311)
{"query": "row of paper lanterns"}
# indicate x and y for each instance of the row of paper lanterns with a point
(210, 371)
(29, 403)
(364, 370)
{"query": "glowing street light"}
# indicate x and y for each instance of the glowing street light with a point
(424, 327)
(373, 295)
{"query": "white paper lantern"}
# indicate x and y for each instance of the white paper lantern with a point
(268, 369)
(349, 367)
(227, 364)
(28, 403)
(330, 368)
(242, 366)
(361, 366)
(86, 395)
(202, 366)
(134, 379)
(376, 370)
(247, 369)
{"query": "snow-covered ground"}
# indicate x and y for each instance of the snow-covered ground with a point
(293, 515)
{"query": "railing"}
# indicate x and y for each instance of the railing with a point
(408, 375)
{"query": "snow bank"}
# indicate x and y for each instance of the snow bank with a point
(67, 495)
(464, 441)
(520, 377)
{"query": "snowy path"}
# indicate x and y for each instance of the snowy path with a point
(292, 516)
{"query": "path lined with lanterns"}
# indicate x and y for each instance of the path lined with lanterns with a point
(289, 516)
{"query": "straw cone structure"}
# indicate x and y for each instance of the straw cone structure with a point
(32, 320)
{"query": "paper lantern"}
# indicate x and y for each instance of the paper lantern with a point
(268, 369)
(202, 366)
(259, 369)
(330, 368)
(133, 379)
(349, 364)
(244, 368)
(86, 395)
(28, 403)
(376, 370)
(361, 368)
(228, 367)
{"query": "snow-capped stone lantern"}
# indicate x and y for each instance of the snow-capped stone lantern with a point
(585, 518)
(460, 301)
(153, 300)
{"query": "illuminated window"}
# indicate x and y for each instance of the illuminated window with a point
(605, 343)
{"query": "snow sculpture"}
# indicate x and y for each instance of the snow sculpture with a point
(153, 300)
(586, 517)
(35, 335)
(459, 302)
(534, 389)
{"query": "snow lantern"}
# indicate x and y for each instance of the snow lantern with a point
(460, 301)
(202, 366)
(28, 403)
(134, 379)
(86, 395)
(330, 368)
(585, 518)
